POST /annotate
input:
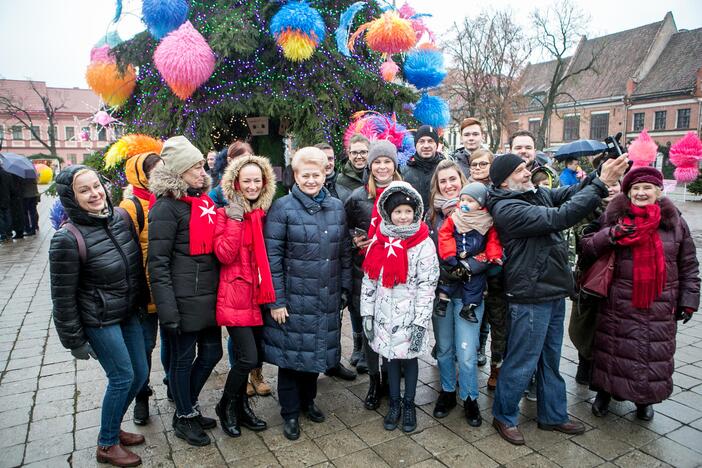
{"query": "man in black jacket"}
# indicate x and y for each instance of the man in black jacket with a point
(6, 186)
(422, 165)
(529, 222)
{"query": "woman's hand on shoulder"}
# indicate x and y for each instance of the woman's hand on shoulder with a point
(280, 314)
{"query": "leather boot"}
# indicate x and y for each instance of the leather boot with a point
(127, 439)
(246, 416)
(357, 353)
(600, 407)
(372, 401)
(141, 410)
(250, 389)
(394, 413)
(260, 386)
(582, 376)
(444, 404)
(189, 429)
(116, 455)
(494, 374)
(342, 372)
(472, 412)
(644, 412)
(409, 416)
(226, 410)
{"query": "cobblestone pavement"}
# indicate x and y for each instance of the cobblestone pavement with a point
(50, 404)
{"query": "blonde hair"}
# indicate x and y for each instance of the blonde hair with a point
(480, 153)
(309, 155)
(80, 172)
(372, 187)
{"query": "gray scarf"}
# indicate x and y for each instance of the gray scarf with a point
(399, 232)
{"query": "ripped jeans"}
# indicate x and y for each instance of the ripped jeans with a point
(457, 341)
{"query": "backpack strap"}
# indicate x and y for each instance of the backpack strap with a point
(82, 249)
(139, 213)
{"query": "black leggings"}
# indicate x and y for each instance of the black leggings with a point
(245, 346)
(411, 367)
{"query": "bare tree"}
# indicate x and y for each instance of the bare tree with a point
(20, 112)
(558, 30)
(488, 54)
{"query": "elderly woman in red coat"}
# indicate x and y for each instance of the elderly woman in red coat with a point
(245, 280)
(655, 282)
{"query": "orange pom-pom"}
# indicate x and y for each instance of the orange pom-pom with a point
(138, 144)
(391, 34)
(107, 82)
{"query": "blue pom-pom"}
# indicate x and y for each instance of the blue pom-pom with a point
(57, 215)
(432, 110)
(342, 32)
(407, 151)
(298, 15)
(111, 39)
(424, 68)
(164, 16)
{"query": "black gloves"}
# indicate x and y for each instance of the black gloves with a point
(345, 296)
(620, 231)
(684, 314)
(84, 351)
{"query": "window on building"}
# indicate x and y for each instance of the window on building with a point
(571, 127)
(683, 118)
(2, 132)
(534, 126)
(73, 158)
(70, 133)
(119, 132)
(638, 121)
(85, 156)
(17, 132)
(102, 134)
(659, 121)
(36, 132)
(599, 126)
(86, 130)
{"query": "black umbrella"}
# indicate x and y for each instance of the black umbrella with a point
(579, 148)
(18, 165)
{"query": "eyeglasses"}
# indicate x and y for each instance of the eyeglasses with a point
(481, 164)
(358, 153)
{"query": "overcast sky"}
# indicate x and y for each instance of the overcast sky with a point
(50, 40)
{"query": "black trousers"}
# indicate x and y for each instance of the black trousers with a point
(296, 391)
(245, 354)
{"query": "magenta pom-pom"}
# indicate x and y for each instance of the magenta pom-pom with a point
(643, 150)
(685, 175)
(185, 60)
(687, 151)
(101, 54)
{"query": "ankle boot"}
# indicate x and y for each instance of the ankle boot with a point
(247, 418)
(600, 407)
(494, 374)
(409, 416)
(582, 375)
(444, 404)
(189, 429)
(260, 386)
(468, 313)
(357, 353)
(644, 412)
(141, 410)
(117, 455)
(394, 413)
(226, 410)
(372, 401)
(472, 412)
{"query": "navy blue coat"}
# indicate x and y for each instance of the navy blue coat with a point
(309, 251)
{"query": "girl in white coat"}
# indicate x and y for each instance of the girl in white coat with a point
(401, 272)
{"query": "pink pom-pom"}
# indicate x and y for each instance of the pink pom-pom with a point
(185, 60)
(101, 54)
(687, 151)
(685, 175)
(643, 150)
(388, 70)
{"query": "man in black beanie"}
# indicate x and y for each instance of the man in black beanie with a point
(421, 166)
(529, 221)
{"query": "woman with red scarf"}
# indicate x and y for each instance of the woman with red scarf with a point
(362, 218)
(655, 282)
(245, 281)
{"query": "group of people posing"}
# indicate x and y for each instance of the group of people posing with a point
(454, 242)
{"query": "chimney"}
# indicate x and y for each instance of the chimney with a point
(630, 87)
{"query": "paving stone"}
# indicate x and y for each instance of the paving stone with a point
(57, 380)
(49, 448)
(90, 418)
(437, 440)
(660, 424)
(204, 457)
(48, 395)
(500, 450)
(402, 451)
(315, 430)
(305, 453)
(47, 428)
(53, 409)
(533, 460)
(11, 456)
(537, 439)
(602, 445)
(339, 444)
(22, 363)
(20, 400)
(235, 449)
(568, 454)
(87, 437)
(275, 440)
(58, 368)
(638, 459)
(458, 458)
(373, 432)
(14, 417)
(672, 452)
(56, 462)
(21, 386)
(632, 434)
(21, 374)
(689, 437)
(431, 463)
(363, 459)
(263, 460)
(354, 415)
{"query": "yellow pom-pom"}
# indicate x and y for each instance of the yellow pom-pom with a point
(297, 46)
(391, 34)
(116, 153)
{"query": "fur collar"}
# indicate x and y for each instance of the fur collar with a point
(619, 207)
(166, 183)
(232, 172)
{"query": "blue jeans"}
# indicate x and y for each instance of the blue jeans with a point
(533, 343)
(149, 328)
(457, 340)
(187, 373)
(120, 351)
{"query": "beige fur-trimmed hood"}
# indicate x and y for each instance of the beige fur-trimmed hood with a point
(166, 183)
(267, 192)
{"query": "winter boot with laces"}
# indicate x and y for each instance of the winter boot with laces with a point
(445, 403)
(189, 429)
(260, 386)
(228, 417)
(392, 419)
(247, 417)
(409, 417)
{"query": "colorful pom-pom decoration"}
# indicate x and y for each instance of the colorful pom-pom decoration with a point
(424, 68)
(375, 126)
(44, 174)
(164, 16)
(388, 70)
(105, 79)
(298, 29)
(57, 215)
(185, 60)
(432, 110)
(131, 145)
(389, 34)
(685, 155)
(643, 150)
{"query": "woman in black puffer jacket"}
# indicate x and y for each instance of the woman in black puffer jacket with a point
(97, 295)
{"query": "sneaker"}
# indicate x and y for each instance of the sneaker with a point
(531, 390)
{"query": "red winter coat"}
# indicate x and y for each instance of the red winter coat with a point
(633, 348)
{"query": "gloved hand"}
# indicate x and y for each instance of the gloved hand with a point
(620, 231)
(416, 339)
(684, 314)
(84, 351)
(345, 296)
(368, 327)
(235, 210)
